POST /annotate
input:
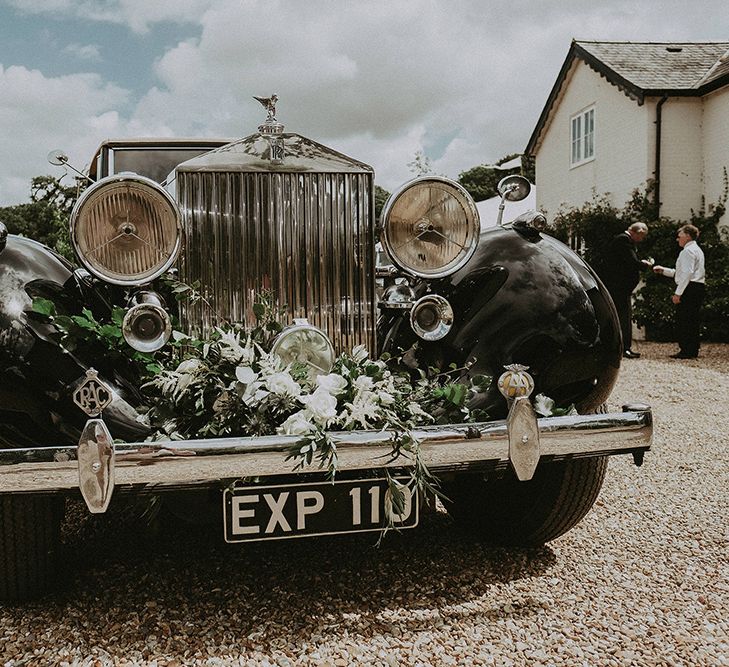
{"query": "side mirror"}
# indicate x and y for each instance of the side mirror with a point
(57, 157)
(514, 187)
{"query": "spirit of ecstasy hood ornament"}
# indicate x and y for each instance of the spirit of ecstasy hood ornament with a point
(272, 129)
(269, 104)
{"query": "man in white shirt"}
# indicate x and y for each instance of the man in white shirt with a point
(690, 277)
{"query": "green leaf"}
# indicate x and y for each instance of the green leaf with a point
(110, 331)
(63, 322)
(84, 323)
(44, 306)
(89, 315)
(274, 327)
(117, 316)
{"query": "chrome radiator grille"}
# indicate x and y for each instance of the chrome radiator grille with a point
(306, 237)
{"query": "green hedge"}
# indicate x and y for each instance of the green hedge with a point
(590, 228)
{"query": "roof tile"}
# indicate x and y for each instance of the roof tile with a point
(663, 65)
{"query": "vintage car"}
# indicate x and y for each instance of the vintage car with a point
(280, 212)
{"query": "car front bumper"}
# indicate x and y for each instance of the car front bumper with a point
(195, 463)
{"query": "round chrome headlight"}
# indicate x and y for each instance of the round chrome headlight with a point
(304, 343)
(431, 317)
(430, 227)
(126, 230)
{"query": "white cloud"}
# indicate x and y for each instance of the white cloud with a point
(468, 80)
(39, 113)
(387, 72)
(464, 82)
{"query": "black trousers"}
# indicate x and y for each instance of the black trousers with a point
(624, 306)
(688, 319)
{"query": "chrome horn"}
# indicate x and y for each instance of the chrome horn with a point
(431, 317)
(147, 326)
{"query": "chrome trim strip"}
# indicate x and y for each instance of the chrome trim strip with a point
(444, 448)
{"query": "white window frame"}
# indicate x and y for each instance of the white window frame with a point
(582, 137)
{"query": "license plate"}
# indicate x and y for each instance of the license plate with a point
(303, 510)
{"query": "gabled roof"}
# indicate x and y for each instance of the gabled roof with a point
(645, 69)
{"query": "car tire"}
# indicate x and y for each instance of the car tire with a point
(505, 511)
(29, 540)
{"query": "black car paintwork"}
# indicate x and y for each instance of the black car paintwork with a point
(36, 373)
(524, 298)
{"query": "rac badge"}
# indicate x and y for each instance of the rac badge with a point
(91, 394)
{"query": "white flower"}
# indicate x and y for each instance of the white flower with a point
(386, 398)
(333, 383)
(254, 393)
(322, 406)
(249, 353)
(231, 349)
(245, 374)
(283, 384)
(543, 405)
(184, 380)
(364, 383)
(361, 409)
(189, 366)
(297, 424)
(359, 353)
(416, 410)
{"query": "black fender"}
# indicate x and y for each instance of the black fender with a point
(37, 374)
(525, 298)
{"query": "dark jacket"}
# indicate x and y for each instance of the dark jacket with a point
(621, 267)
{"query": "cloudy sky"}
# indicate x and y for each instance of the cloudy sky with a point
(462, 81)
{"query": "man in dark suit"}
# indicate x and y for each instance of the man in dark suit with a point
(621, 274)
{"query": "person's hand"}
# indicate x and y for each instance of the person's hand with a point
(648, 262)
(658, 269)
(676, 298)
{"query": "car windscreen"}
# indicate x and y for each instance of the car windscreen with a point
(154, 163)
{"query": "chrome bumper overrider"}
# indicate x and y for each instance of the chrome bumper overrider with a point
(189, 463)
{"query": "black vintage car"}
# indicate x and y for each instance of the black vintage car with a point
(276, 211)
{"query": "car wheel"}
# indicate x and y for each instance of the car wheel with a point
(506, 511)
(29, 540)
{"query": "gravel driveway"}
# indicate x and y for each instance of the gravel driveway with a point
(643, 580)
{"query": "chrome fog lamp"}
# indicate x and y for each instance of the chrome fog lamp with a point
(431, 317)
(430, 227)
(146, 326)
(305, 344)
(126, 230)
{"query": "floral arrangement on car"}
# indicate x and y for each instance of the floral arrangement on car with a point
(229, 383)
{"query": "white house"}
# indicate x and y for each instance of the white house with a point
(488, 209)
(621, 114)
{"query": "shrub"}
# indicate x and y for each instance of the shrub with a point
(590, 228)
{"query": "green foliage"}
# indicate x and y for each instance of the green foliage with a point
(590, 228)
(481, 181)
(381, 196)
(421, 164)
(46, 217)
(102, 340)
